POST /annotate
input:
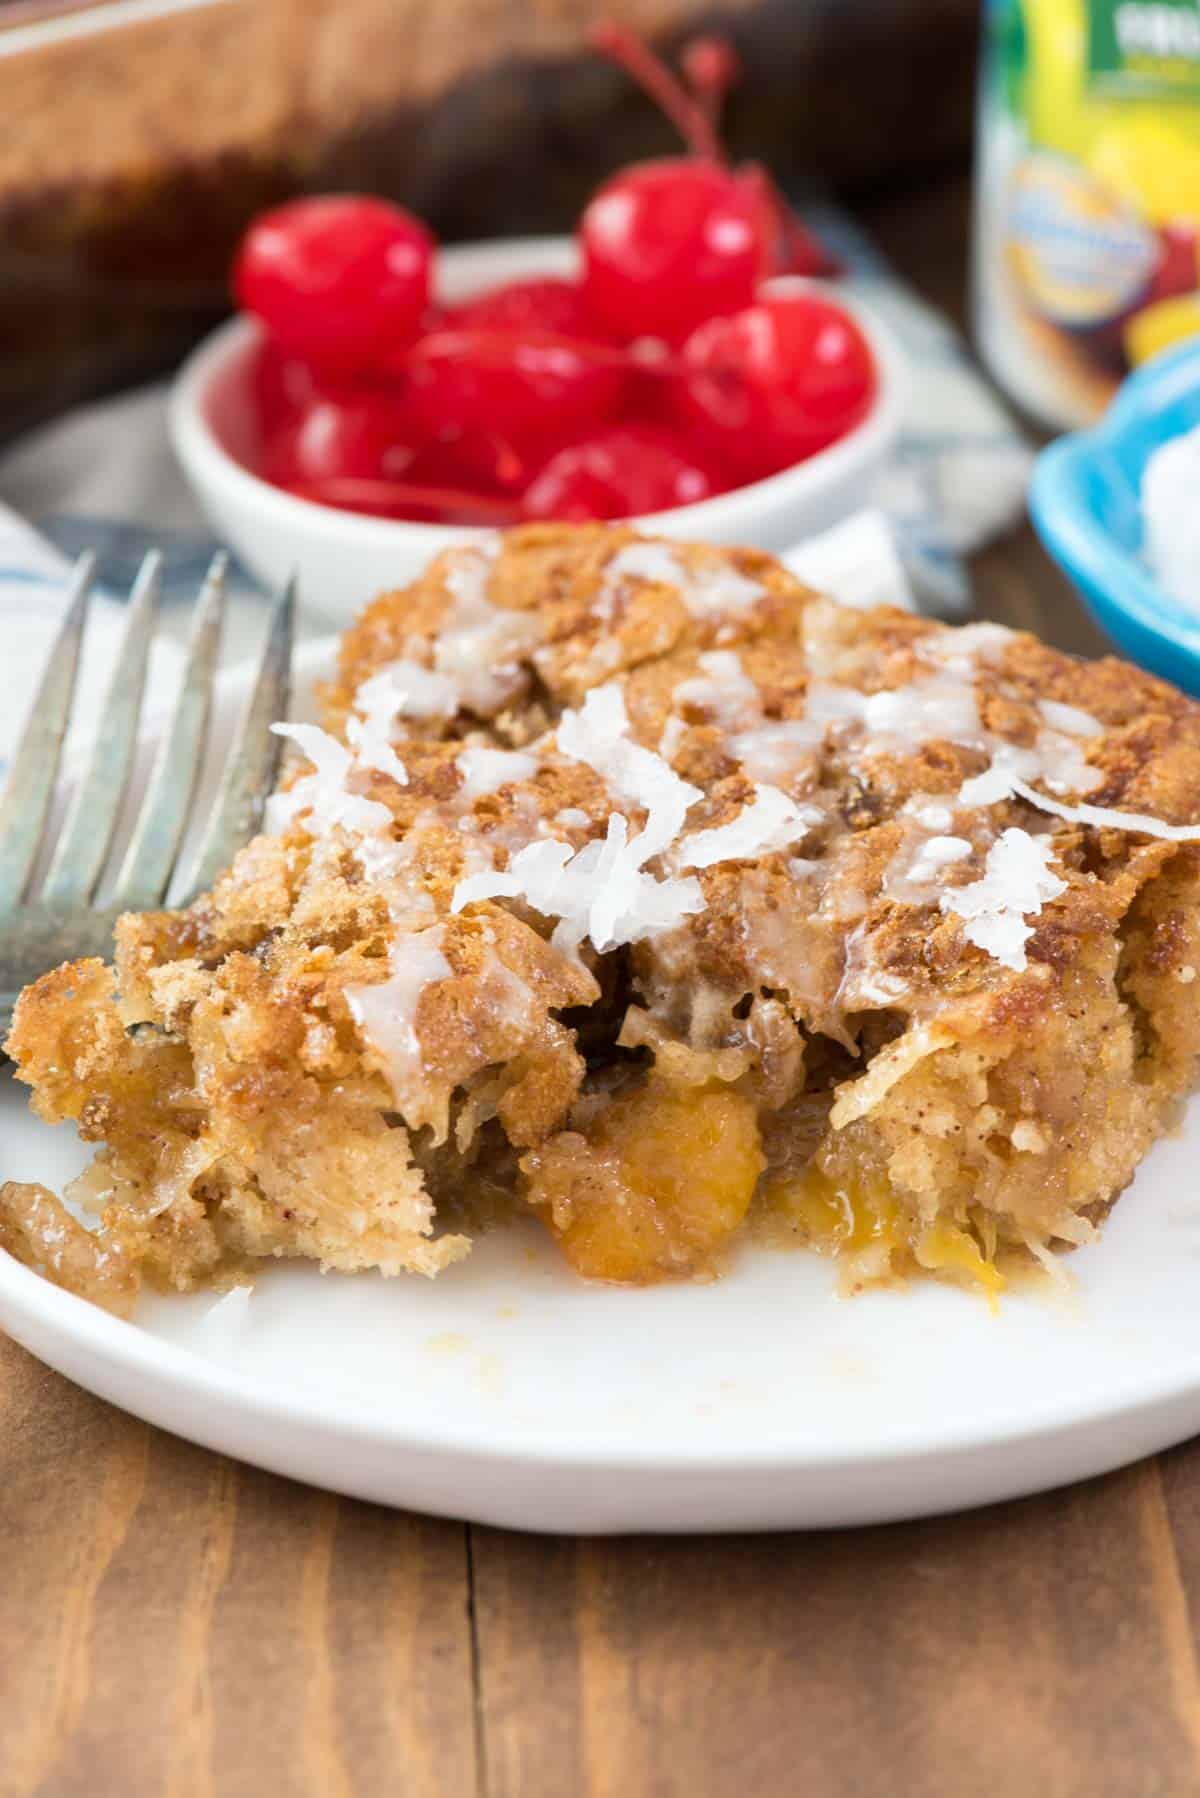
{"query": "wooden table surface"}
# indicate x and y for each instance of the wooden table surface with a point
(172, 1623)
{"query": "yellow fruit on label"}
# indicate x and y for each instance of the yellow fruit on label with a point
(1152, 166)
(1159, 326)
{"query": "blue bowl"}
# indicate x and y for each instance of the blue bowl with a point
(1085, 498)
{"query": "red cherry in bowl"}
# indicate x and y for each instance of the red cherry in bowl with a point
(668, 244)
(337, 279)
(541, 303)
(775, 382)
(281, 387)
(358, 435)
(621, 473)
(521, 390)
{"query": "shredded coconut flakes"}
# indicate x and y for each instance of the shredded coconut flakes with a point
(1104, 818)
(771, 822)
(1015, 883)
(323, 794)
(598, 736)
(603, 891)
(486, 770)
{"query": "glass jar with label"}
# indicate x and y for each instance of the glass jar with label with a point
(1087, 248)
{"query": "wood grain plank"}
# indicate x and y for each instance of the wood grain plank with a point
(1038, 1646)
(173, 1624)
(1172, 1597)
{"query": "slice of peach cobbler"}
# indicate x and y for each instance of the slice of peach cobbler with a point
(634, 886)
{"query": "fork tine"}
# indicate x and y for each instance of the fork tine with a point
(146, 868)
(255, 756)
(87, 833)
(35, 765)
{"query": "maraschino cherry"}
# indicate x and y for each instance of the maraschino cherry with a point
(775, 382)
(542, 304)
(668, 244)
(338, 279)
(620, 473)
(359, 434)
(662, 375)
(282, 386)
(528, 391)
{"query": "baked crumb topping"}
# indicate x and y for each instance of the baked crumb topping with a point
(638, 886)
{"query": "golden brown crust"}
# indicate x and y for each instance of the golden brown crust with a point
(326, 1053)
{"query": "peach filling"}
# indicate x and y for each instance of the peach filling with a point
(656, 1188)
(862, 1221)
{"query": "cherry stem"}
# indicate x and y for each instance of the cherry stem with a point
(359, 494)
(690, 117)
(712, 69)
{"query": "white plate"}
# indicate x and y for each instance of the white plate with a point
(509, 1392)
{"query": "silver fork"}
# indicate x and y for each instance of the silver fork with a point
(57, 919)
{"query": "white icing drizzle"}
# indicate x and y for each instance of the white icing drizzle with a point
(723, 690)
(479, 646)
(1069, 719)
(406, 689)
(1062, 764)
(654, 563)
(603, 891)
(938, 708)
(780, 751)
(960, 649)
(705, 591)
(914, 875)
(476, 659)
(394, 868)
(387, 1012)
(866, 985)
(510, 999)
(1056, 760)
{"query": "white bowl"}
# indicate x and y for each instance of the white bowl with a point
(341, 557)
